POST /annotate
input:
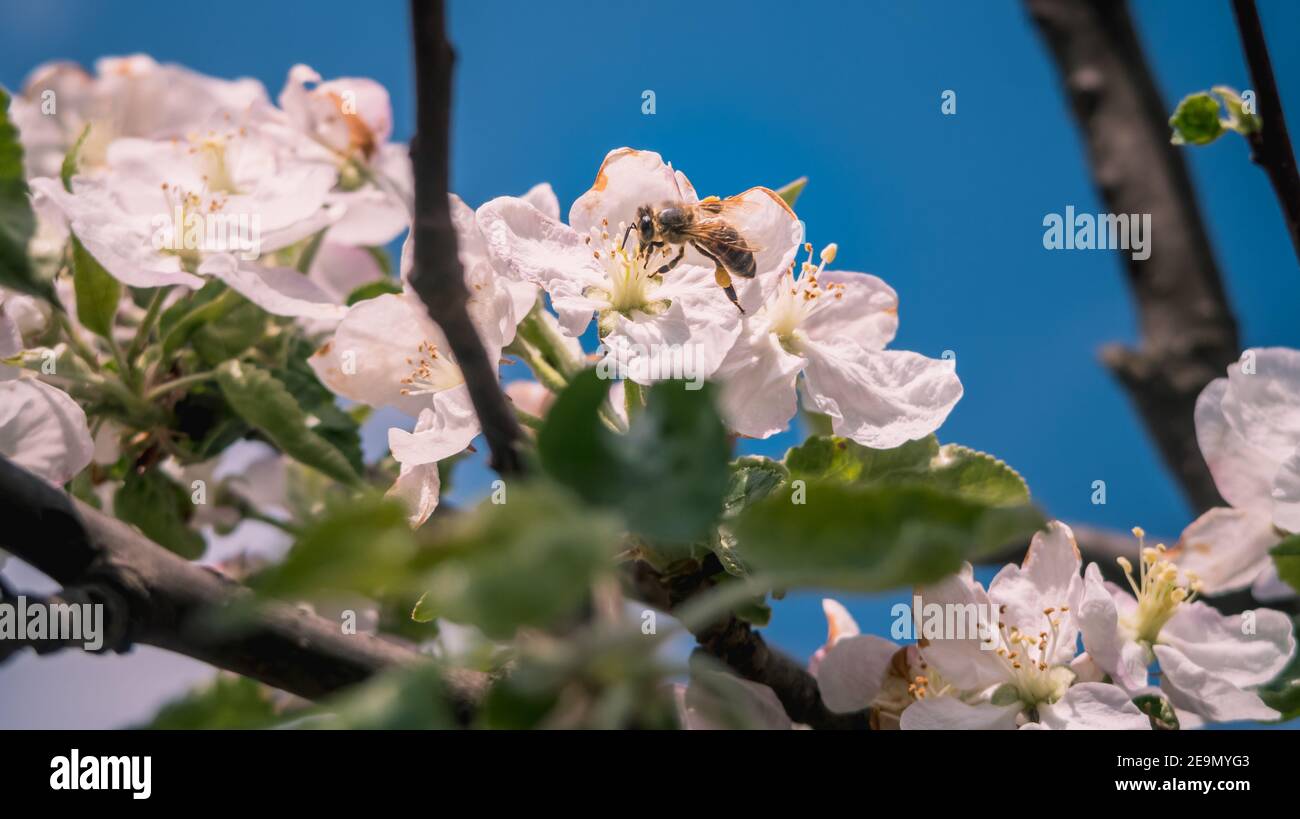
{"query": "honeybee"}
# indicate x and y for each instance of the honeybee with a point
(702, 226)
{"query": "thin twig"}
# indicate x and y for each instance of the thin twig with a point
(437, 276)
(1270, 147)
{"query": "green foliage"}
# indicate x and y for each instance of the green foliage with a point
(340, 428)
(790, 192)
(875, 536)
(230, 334)
(527, 562)
(72, 160)
(1283, 692)
(363, 546)
(98, 293)
(374, 289)
(752, 479)
(1159, 710)
(266, 405)
(17, 221)
(406, 699)
(161, 508)
(1196, 120)
(207, 305)
(1287, 557)
(228, 703)
(674, 456)
(952, 468)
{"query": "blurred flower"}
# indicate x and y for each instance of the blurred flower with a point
(1248, 427)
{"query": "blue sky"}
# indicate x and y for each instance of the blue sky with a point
(947, 209)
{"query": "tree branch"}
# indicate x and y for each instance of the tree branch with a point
(154, 597)
(437, 277)
(735, 643)
(1270, 147)
(1188, 332)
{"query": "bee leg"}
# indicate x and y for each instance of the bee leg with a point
(681, 251)
(649, 251)
(626, 234)
(721, 276)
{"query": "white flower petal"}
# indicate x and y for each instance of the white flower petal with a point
(542, 196)
(950, 713)
(852, 671)
(626, 180)
(1286, 494)
(280, 291)
(1110, 647)
(1093, 707)
(1205, 693)
(1242, 471)
(1227, 548)
(339, 269)
(758, 384)
(441, 432)
(371, 217)
(1047, 578)
(1219, 643)
(417, 486)
(1264, 406)
(965, 663)
(881, 399)
(865, 311)
(688, 340)
(43, 430)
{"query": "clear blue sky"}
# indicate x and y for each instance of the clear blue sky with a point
(947, 209)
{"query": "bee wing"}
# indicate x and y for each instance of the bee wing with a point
(712, 225)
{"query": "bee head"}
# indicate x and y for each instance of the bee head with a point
(645, 224)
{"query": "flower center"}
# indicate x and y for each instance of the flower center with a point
(1157, 588)
(630, 281)
(432, 372)
(1027, 657)
(210, 156)
(797, 299)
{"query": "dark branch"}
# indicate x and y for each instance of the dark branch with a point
(1189, 334)
(154, 597)
(1270, 147)
(437, 277)
(735, 643)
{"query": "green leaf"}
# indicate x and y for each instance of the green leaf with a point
(364, 546)
(1287, 557)
(98, 293)
(72, 160)
(1239, 119)
(527, 562)
(840, 459)
(340, 428)
(1159, 711)
(17, 221)
(752, 479)
(954, 468)
(160, 507)
(674, 456)
(873, 537)
(790, 192)
(412, 698)
(266, 405)
(1196, 120)
(208, 304)
(1283, 692)
(378, 287)
(229, 335)
(228, 703)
